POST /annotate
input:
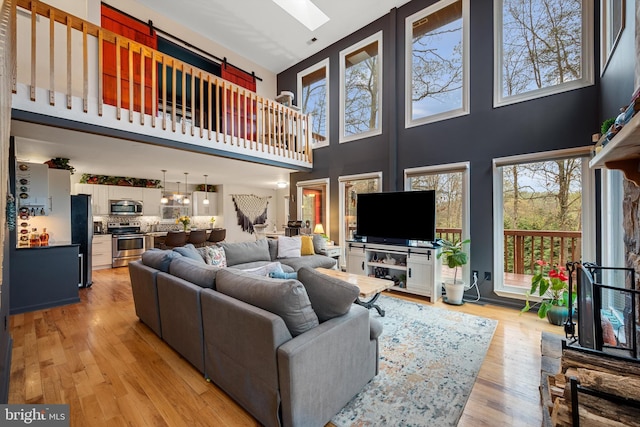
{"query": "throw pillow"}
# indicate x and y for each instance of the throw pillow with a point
(289, 247)
(319, 243)
(286, 298)
(196, 272)
(245, 252)
(306, 246)
(216, 256)
(189, 251)
(330, 297)
(159, 259)
(265, 270)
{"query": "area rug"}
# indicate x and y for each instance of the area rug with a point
(429, 361)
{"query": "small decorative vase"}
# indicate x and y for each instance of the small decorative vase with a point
(557, 315)
(185, 226)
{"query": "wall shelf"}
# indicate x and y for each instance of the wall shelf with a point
(622, 152)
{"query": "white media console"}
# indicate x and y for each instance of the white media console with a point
(416, 269)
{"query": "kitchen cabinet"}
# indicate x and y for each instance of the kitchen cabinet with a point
(117, 192)
(151, 201)
(101, 255)
(201, 209)
(32, 187)
(99, 197)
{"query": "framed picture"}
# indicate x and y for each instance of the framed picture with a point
(613, 17)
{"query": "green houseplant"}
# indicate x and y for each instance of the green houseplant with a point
(454, 257)
(553, 290)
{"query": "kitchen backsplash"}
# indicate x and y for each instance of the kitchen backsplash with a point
(153, 223)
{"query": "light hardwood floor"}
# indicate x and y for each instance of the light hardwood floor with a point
(112, 370)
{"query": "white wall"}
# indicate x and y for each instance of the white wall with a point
(227, 207)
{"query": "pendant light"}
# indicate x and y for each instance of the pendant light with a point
(177, 196)
(164, 199)
(206, 192)
(186, 200)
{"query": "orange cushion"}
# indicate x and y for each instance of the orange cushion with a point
(307, 245)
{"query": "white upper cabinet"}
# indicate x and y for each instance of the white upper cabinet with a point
(199, 206)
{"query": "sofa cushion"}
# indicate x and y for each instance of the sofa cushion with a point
(306, 247)
(244, 252)
(330, 297)
(160, 259)
(196, 272)
(286, 298)
(189, 251)
(311, 261)
(289, 247)
(273, 248)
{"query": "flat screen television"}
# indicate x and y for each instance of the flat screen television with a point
(396, 217)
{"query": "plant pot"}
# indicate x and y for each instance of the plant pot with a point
(558, 315)
(454, 291)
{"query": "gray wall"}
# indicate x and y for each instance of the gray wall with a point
(555, 122)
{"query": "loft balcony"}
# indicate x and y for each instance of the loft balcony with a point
(60, 77)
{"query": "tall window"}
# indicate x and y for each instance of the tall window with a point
(451, 183)
(313, 203)
(542, 47)
(436, 62)
(543, 210)
(313, 99)
(361, 89)
(350, 187)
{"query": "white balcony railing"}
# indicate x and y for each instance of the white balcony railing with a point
(58, 69)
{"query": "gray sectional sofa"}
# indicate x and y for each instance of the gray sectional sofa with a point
(292, 352)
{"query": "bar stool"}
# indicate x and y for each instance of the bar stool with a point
(217, 235)
(197, 237)
(174, 239)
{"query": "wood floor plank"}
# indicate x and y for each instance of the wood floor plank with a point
(113, 370)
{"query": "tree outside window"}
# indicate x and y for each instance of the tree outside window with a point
(543, 46)
(313, 99)
(436, 49)
(361, 86)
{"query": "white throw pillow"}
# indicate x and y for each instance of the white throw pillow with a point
(265, 270)
(289, 247)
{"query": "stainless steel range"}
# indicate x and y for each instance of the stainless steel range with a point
(128, 242)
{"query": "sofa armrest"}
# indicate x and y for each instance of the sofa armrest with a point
(145, 295)
(240, 353)
(321, 370)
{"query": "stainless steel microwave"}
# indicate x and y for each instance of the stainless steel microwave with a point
(125, 207)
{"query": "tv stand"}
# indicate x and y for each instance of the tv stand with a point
(414, 270)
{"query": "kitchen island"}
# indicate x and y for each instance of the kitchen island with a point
(43, 277)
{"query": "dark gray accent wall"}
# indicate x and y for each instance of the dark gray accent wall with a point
(559, 121)
(617, 82)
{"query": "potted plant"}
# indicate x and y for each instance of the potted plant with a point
(553, 289)
(454, 257)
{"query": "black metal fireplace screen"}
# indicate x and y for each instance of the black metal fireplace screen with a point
(606, 314)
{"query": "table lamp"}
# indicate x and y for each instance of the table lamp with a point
(318, 229)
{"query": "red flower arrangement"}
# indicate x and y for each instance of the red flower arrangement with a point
(552, 288)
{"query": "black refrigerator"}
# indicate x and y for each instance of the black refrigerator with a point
(82, 234)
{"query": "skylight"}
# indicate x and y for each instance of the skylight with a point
(307, 13)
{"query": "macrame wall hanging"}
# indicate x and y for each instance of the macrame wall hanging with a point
(251, 209)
